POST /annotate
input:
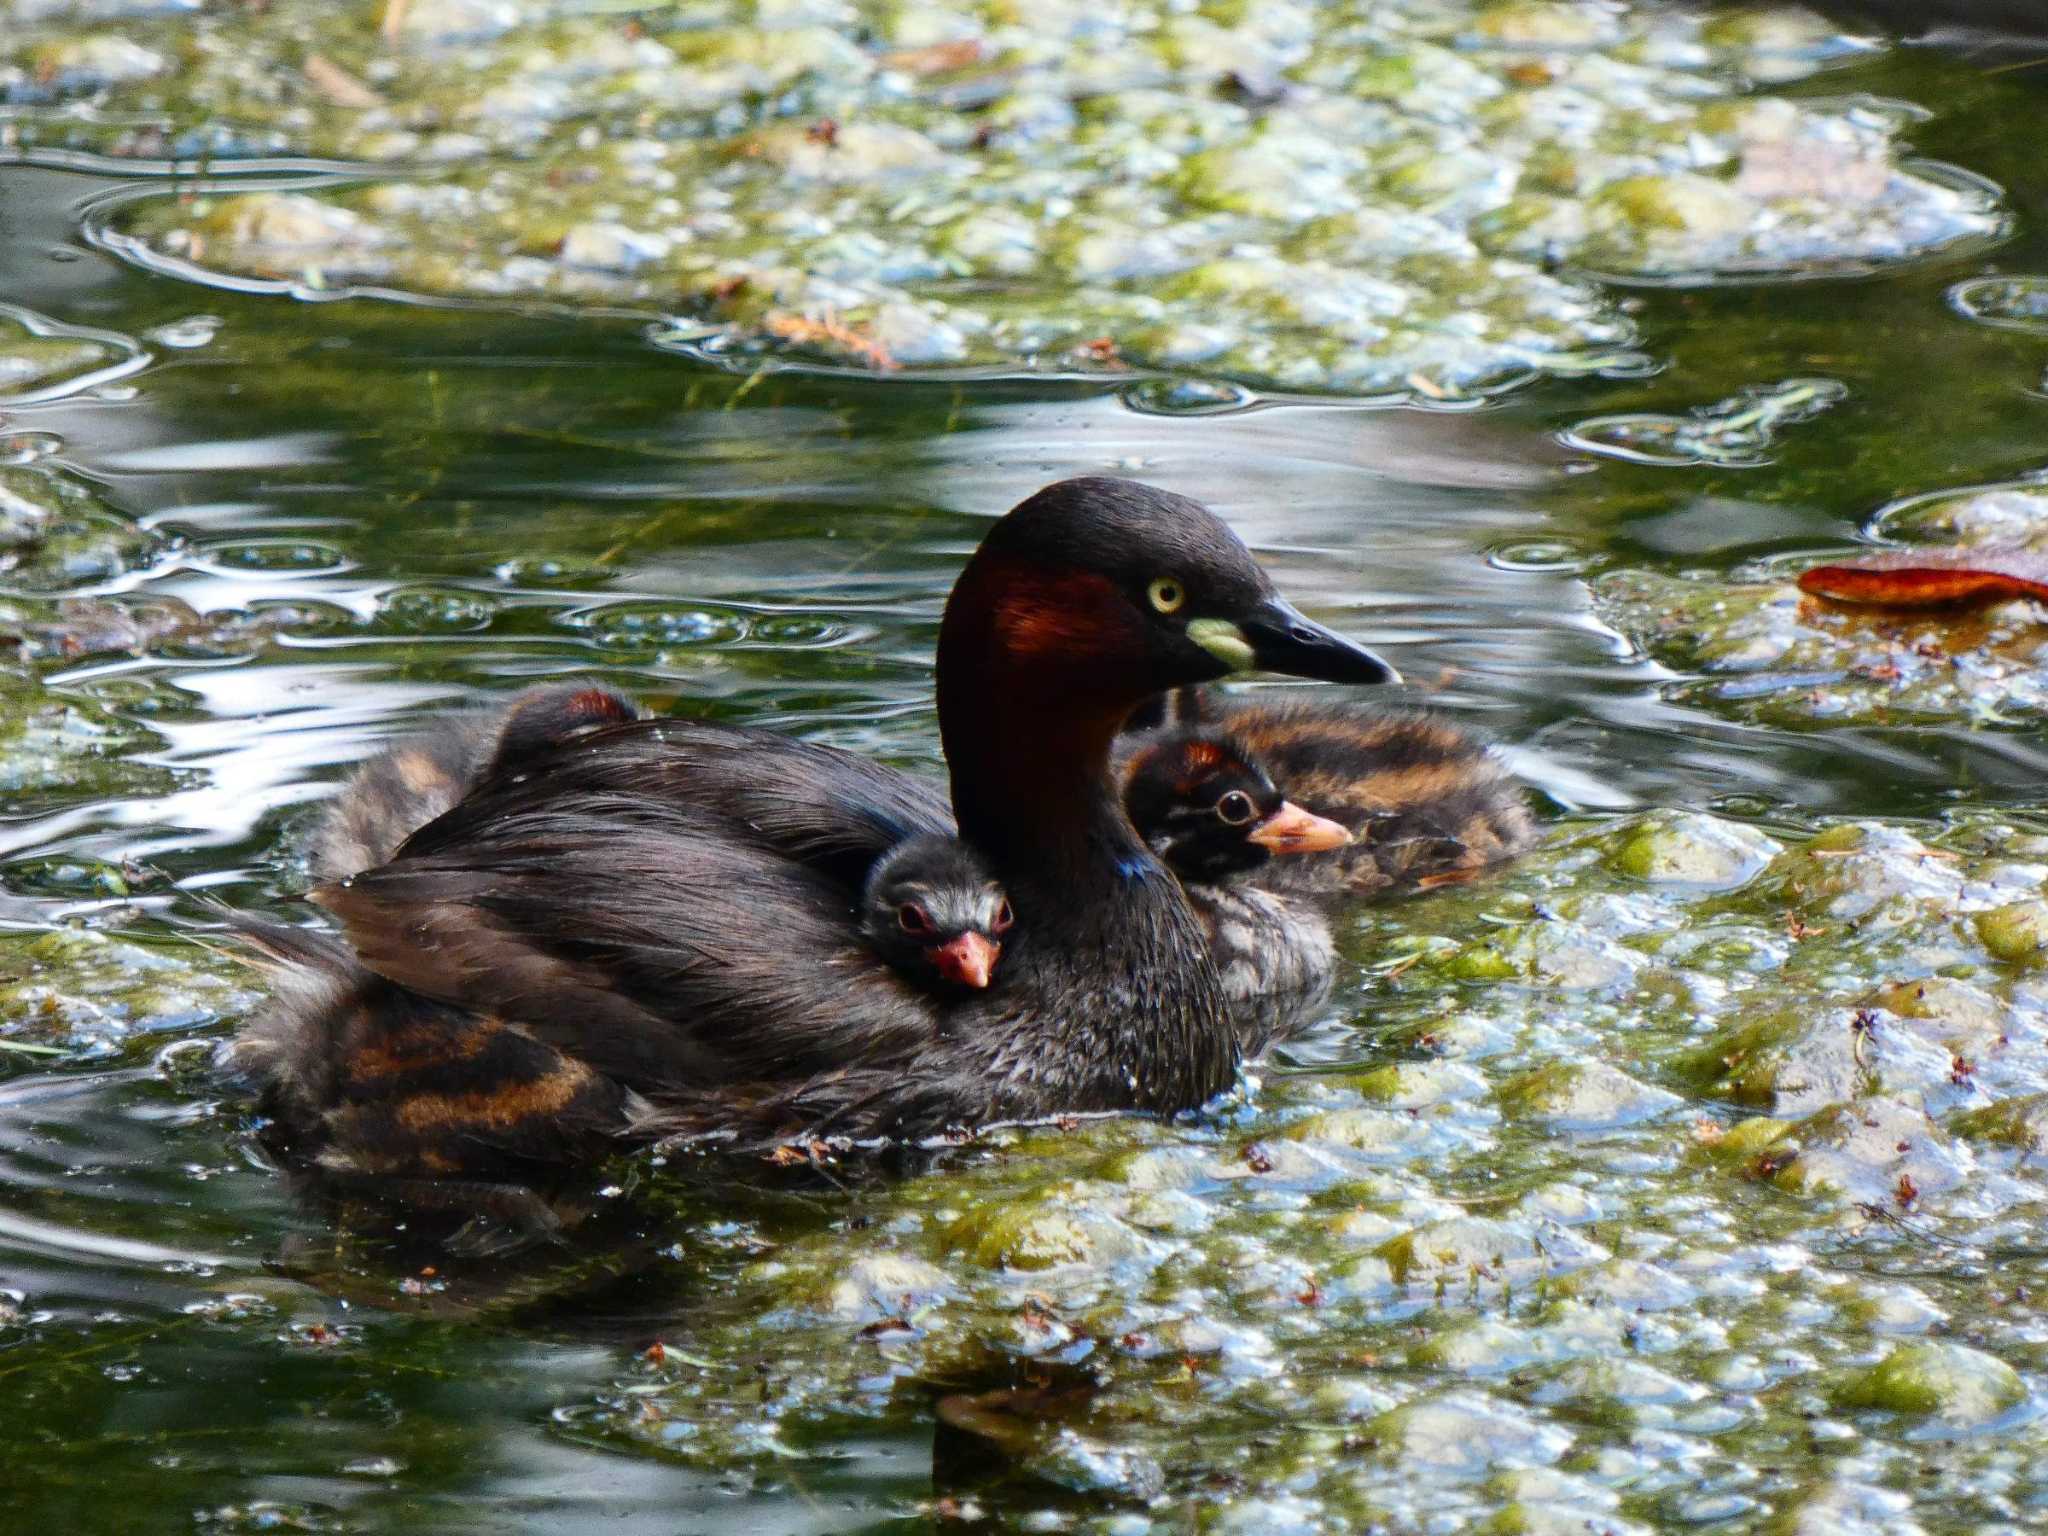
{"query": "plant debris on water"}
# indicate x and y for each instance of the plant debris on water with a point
(1775, 652)
(1522, 1271)
(1378, 199)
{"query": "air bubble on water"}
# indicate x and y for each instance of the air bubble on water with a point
(437, 609)
(797, 631)
(1187, 397)
(278, 555)
(637, 625)
(2007, 303)
(192, 331)
(185, 1061)
(1536, 555)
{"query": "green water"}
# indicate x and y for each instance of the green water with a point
(1592, 1204)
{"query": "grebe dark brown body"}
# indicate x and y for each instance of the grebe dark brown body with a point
(663, 911)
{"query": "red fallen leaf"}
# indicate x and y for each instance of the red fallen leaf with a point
(1930, 578)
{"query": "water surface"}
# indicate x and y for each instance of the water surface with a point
(387, 509)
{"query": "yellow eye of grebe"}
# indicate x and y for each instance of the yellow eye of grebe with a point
(1166, 594)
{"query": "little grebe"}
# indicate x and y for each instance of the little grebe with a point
(661, 914)
(932, 910)
(1425, 803)
(1213, 814)
(1210, 810)
(929, 906)
(406, 786)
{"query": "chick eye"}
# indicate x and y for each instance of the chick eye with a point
(1167, 594)
(1004, 918)
(1236, 808)
(912, 918)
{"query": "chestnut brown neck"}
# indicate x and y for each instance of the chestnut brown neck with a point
(1037, 671)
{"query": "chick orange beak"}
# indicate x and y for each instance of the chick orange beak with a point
(968, 960)
(1294, 830)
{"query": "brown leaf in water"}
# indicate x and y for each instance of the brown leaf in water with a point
(1446, 877)
(337, 84)
(1932, 578)
(830, 331)
(935, 60)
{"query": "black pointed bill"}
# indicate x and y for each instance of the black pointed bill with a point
(1274, 638)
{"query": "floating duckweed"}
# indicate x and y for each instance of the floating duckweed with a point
(1382, 1136)
(1744, 1141)
(159, 626)
(1584, 1096)
(1237, 192)
(1967, 1015)
(52, 744)
(2017, 934)
(1790, 1061)
(1686, 848)
(1513, 1338)
(2010, 303)
(1472, 1251)
(1045, 1237)
(1893, 1309)
(55, 533)
(1484, 962)
(85, 993)
(2020, 1122)
(889, 1285)
(68, 877)
(1881, 1152)
(1630, 1284)
(1464, 1434)
(1949, 1381)
(1419, 1085)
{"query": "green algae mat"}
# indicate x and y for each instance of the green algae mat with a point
(359, 361)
